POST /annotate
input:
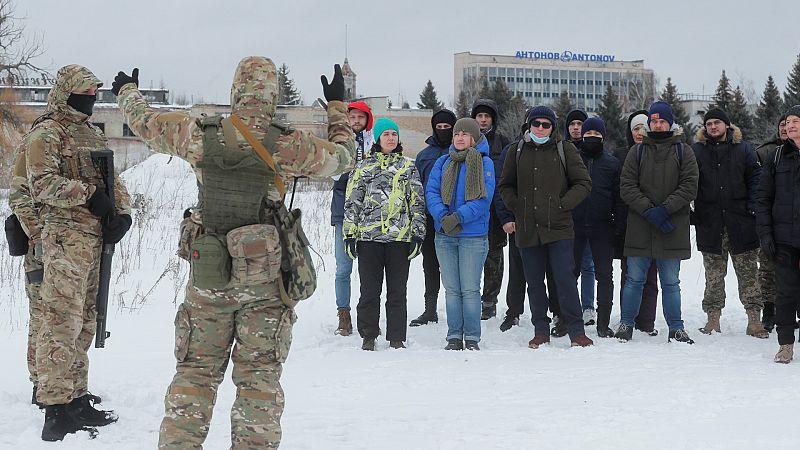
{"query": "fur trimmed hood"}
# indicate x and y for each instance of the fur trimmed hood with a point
(736, 137)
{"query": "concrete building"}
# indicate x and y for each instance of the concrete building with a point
(696, 106)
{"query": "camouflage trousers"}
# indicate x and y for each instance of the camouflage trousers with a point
(746, 267)
(252, 328)
(33, 266)
(69, 293)
(493, 268)
(766, 277)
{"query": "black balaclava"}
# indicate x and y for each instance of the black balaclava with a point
(82, 102)
(592, 146)
(443, 137)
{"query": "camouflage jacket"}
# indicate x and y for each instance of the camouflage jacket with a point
(21, 202)
(61, 174)
(385, 201)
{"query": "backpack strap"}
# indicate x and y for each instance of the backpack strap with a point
(560, 148)
(777, 158)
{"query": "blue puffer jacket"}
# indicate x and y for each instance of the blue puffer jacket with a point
(474, 214)
(426, 159)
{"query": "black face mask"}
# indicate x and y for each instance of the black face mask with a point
(82, 102)
(444, 137)
(592, 145)
(658, 135)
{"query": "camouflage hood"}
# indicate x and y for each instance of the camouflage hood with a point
(254, 92)
(70, 79)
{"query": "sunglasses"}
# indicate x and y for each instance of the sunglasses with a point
(545, 125)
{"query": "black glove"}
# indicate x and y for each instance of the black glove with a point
(768, 247)
(99, 203)
(334, 90)
(414, 248)
(122, 79)
(451, 224)
(350, 248)
(115, 229)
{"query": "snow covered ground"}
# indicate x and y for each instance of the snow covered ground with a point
(724, 392)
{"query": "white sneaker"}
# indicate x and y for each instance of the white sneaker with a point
(589, 316)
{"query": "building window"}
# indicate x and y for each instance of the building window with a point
(126, 131)
(572, 82)
(528, 80)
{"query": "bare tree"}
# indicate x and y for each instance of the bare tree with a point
(17, 54)
(637, 93)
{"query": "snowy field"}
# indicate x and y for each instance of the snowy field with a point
(724, 392)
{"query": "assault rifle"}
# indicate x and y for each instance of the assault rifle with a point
(104, 160)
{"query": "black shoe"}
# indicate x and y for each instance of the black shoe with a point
(651, 332)
(84, 414)
(679, 335)
(471, 345)
(424, 319)
(559, 327)
(508, 322)
(624, 333)
(396, 344)
(454, 344)
(488, 310)
(57, 423)
(368, 344)
(605, 332)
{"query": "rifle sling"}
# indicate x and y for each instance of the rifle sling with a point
(260, 150)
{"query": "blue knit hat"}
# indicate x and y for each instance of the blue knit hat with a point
(660, 110)
(540, 112)
(382, 125)
(594, 123)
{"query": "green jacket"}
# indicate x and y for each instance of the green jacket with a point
(659, 178)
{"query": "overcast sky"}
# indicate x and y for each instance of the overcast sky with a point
(395, 47)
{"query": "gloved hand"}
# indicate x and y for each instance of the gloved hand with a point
(619, 239)
(99, 203)
(122, 79)
(768, 247)
(350, 248)
(451, 224)
(115, 229)
(414, 248)
(659, 217)
(335, 89)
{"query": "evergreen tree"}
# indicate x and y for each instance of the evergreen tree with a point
(739, 114)
(723, 97)
(406, 105)
(428, 99)
(610, 110)
(463, 105)
(287, 92)
(671, 95)
(502, 97)
(562, 106)
(513, 117)
(768, 112)
(791, 96)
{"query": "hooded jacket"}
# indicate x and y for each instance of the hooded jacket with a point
(766, 150)
(497, 142)
(61, 174)
(603, 208)
(427, 158)
(575, 114)
(473, 214)
(729, 173)
(622, 153)
(778, 197)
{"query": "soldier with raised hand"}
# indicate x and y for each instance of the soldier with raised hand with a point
(68, 187)
(244, 306)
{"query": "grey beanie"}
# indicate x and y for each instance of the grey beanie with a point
(470, 126)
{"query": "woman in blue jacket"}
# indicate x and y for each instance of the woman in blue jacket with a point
(458, 195)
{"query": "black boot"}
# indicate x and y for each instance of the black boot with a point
(559, 327)
(603, 319)
(454, 344)
(488, 310)
(509, 322)
(768, 316)
(57, 423)
(429, 315)
(82, 412)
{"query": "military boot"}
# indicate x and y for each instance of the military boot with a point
(429, 315)
(713, 322)
(345, 327)
(57, 423)
(603, 320)
(84, 413)
(754, 326)
(768, 316)
(785, 354)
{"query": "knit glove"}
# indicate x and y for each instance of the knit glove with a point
(350, 248)
(122, 79)
(335, 89)
(414, 248)
(451, 224)
(99, 203)
(659, 217)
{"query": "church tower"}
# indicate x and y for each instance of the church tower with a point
(349, 81)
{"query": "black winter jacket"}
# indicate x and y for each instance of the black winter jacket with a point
(603, 207)
(778, 197)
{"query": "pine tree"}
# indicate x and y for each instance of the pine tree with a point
(768, 112)
(463, 105)
(671, 96)
(739, 114)
(502, 97)
(428, 99)
(287, 92)
(562, 106)
(791, 96)
(610, 110)
(513, 117)
(723, 97)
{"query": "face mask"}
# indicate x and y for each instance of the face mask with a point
(444, 137)
(82, 102)
(592, 145)
(537, 139)
(660, 134)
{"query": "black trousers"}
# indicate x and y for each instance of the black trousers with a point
(430, 263)
(375, 259)
(600, 241)
(787, 293)
(515, 291)
(493, 268)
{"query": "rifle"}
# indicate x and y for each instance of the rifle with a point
(105, 160)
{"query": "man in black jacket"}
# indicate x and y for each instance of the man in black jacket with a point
(485, 112)
(724, 218)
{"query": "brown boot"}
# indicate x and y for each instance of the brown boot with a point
(785, 354)
(754, 326)
(713, 322)
(345, 324)
(538, 340)
(581, 341)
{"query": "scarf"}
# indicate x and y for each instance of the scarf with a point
(474, 185)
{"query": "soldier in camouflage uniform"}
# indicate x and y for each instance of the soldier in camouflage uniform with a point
(246, 319)
(69, 190)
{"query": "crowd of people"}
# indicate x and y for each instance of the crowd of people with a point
(567, 205)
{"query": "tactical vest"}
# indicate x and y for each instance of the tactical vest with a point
(78, 140)
(236, 182)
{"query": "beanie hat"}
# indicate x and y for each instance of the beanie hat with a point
(716, 113)
(540, 112)
(576, 114)
(793, 111)
(382, 125)
(443, 116)
(469, 125)
(593, 123)
(660, 110)
(639, 119)
(361, 106)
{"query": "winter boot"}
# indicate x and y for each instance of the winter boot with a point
(559, 327)
(679, 335)
(454, 344)
(581, 341)
(488, 310)
(57, 423)
(624, 332)
(650, 332)
(471, 345)
(589, 316)
(368, 344)
(538, 340)
(785, 354)
(396, 344)
(768, 316)
(429, 315)
(603, 319)
(345, 327)
(712, 324)
(84, 414)
(508, 322)
(754, 326)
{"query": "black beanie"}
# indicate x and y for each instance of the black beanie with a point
(716, 113)
(443, 116)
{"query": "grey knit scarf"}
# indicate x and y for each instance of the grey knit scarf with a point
(474, 185)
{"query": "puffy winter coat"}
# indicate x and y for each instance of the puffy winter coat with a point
(364, 142)
(497, 142)
(603, 207)
(778, 197)
(427, 158)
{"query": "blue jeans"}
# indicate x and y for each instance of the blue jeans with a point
(461, 262)
(587, 279)
(344, 267)
(669, 274)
